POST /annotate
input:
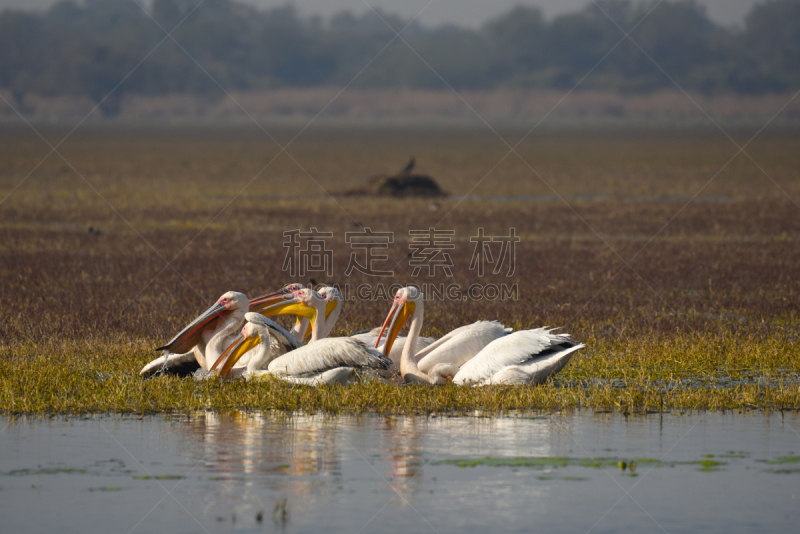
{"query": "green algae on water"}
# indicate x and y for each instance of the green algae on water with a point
(784, 460)
(46, 471)
(555, 462)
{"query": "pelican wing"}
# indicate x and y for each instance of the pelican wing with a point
(374, 332)
(339, 375)
(535, 371)
(177, 364)
(327, 354)
(281, 341)
(397, 349)
(460, 345)
(512, 350)
(370, 337)
(286, 340)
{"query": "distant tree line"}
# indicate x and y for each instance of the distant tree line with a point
(87, 49)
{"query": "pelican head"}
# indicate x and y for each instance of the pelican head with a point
(232, 301)
(403, 307)
(332, 296)
(295, 286)
(284, 302)
(310, 298)
(229, 302)
(333, 299)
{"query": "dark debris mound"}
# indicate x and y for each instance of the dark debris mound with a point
(401, 185)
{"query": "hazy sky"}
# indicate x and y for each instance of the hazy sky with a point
(470, 13)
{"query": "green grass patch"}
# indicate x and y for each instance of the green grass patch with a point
(709, 465)
(556, 462)
(46, 471)
(787, 471)
(785, 460)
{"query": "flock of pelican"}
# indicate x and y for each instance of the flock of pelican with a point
(235, 338)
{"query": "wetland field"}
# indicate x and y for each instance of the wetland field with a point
(672, 255)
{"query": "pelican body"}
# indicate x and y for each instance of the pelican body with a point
(525, 357)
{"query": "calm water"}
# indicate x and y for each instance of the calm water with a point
(718, 473)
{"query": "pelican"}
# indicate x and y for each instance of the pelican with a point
(280, 342)
(217, 324)
(452, 350)
(301, 323)
(333, 309)
(323, 361)
(407, 303)
(526, 357)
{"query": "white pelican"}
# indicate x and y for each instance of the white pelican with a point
(526, 357)
(452, 350)
(209, 330)
(280, 342)
(333, 308)
(407, 303)
(323, 361)
(301, 323)
(217, 324)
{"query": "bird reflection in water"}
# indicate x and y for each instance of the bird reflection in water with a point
(274, 444)
(257, 460)
(403, 438)
(317, 461)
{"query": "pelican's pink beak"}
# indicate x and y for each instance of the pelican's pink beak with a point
(189, 336)
(259, 303)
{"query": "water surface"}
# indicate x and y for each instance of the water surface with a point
(575, 472)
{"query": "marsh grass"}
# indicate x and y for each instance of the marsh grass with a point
(705, 317)
(102, 376)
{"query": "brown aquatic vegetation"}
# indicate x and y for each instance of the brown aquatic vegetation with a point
(706, 316)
